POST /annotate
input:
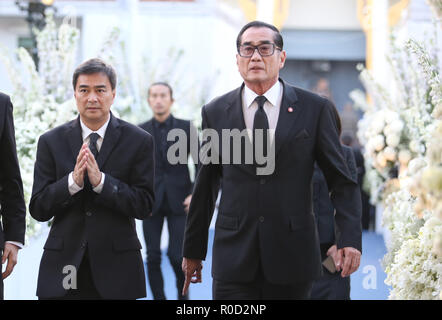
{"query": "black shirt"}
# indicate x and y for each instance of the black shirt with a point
(161, 129)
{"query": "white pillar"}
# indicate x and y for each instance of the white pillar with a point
(380, 34)
(265, 11)
(131, 34)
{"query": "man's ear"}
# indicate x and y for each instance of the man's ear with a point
(282, 57)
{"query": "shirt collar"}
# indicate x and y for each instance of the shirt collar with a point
(85, 131)
(166, 122)
(272, 94)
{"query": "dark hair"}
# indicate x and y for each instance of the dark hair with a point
(95, 66)
(259, 24)
(159, 83)
(337, 118)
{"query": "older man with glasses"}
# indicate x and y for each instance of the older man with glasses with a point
(266, 242)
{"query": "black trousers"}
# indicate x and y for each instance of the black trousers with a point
(331, 286)
(260, 289)
(152, 228)
(85, 284)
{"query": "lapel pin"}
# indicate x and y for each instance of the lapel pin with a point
(290, 109)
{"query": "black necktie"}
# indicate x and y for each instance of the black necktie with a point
(260, 122)
(93, 137)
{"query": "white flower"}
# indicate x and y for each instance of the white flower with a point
(416, 165)
(404, 156)
(378, 124)
(369, 148)
(390, 116)
(393, 140)
(397, 126)
(390, 154)
(381, 160)
(432, 178)
(378, 142)
(414, 146)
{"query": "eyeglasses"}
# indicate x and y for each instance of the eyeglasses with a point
(265, 50)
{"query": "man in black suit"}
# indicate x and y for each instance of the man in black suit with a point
(93, 175)
(12, 203)
(173, 189)
(266, 244)
(331, 285)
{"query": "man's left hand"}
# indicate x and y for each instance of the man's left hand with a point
(10, 253)
(348, 259)
(186, 203)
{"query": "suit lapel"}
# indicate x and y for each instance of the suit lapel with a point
(149, 126)
(286, 118)
(110, 140)
(236, 121)
(75, 138)
(234, 110)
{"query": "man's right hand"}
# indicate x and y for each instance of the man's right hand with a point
(192, 271)
(80, 166)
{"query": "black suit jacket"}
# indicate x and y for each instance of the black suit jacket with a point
(322, 205)
(12, 204)
(172, 180)
(269, 219)
(103, 222)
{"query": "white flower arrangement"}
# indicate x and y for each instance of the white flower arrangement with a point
(405, 131)
(381, 133)
(416, 273)
(41, 98)
(400, 218)
(396, 126)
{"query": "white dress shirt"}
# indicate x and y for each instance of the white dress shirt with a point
(85, 132)
(271, 107)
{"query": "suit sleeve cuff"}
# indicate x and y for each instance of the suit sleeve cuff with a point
(73, 187)
(18, 244)
(99, 188)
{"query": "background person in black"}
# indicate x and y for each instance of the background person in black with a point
(367, 209)
(12, 204)
(173, 189)
(330, 286)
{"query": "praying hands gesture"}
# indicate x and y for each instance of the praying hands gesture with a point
(86, 163)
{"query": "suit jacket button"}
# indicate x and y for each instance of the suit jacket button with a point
(262, 181)
(84, 244)
(261, 219)
(88, 213)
